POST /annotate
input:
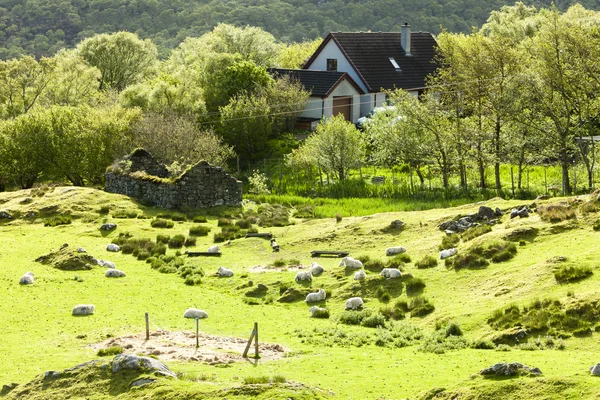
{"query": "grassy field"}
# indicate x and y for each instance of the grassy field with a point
(403, 359)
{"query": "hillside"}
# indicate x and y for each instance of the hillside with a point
(42, 27)
(477, 314)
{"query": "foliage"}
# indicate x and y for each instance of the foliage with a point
(420, 306)
(110, 351)
(199, 230)
(571, 273)
(176, 242)
(258, 183)
(161, 223)
(556, 212)
(427, 262)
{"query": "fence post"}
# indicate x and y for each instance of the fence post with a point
(252, 335)
(197, 328)
(256, 340)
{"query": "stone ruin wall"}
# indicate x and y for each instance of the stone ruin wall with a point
(201, 186)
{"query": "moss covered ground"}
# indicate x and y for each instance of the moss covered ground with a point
(403, 359)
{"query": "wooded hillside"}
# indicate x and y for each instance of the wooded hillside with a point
(41, 27)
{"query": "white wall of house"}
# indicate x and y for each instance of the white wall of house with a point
(318, 107)
(314, 108)
(331, 50)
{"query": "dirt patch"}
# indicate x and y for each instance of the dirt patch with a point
(267, 268)
(181, 346)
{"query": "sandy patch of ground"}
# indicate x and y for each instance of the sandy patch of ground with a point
(181, 346)
(267, 268)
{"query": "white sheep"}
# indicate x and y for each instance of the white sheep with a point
(448, 253)
(113, 247)
(107, 264)
(214, 249)
(84, 309)
(27, 279)
(350, 262)
(316, 269)
(360, 275)
(391, 273)
(354, 303)
(303, 276)
(314, 309)
(224, 272)
(314, 297)
(114, 273)
(392, 251)
(194, 313)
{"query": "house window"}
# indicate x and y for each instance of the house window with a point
(332, 64)
(394, 64)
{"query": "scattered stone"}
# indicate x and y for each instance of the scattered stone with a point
(5, 215)
(64, 246)
(194, 313)
(84, 309)
(509, 369)
(52, 374)
(141, 382)
(81, 250)
(108, 227)
(486, 213)
(392, 251)
(595, 370)
(114, 273)
(30, 214)
(397, 224)
(132, 362)
(8, 388)
(556, 259)
(113, 247)
(483, 215)
(521, 211)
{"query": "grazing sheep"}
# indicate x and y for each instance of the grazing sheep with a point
(391, 273)
(316, 269)
(106, 264)
(314, 297)
(224, 272)
(360, 275)
(84, 309)
(350, 262)
(448, 253)
(274, 245)
(214, 249)
(303, 276)
(314, 310)
(194, 313)
(113, 247)
(27, 279)
(392, 251)
(354, 303)
(114, 273)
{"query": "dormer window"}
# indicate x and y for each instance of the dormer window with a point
(332, 64)
(395, 64)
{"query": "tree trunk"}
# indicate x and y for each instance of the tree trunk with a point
(497, 151)
(2, 185)
(76, 180)
(480, 166)
(420, 175)
(566, 184)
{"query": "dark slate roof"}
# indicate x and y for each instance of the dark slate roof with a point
(369, 53)
(319, 83)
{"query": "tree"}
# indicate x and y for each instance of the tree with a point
(335, 146)
(287, 99)
(295, 55)
(122, 58)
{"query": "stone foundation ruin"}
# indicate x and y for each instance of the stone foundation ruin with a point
(140, 176)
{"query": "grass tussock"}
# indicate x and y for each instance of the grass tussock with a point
(264, 380)
(58, 220)
(427, 262)
(449, 241)
(110, 351)
(572, 273)
(199, 230)
(124, 214)
(475, 231)
(556, 212)
(162, 223)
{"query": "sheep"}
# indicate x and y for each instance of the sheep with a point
(314, 297)
(107, 264)
(360, 275)
(274, 245)
(350, 262)
(448, 253)
(214, 249)
(27, 279)
(316, 269)
(314, 310)
(224, 272)
(113, 247)
(392, 251)
(354, 303)
(391, 273)
(114, 273)
(303, 276)
(84, 309)
(194, 313)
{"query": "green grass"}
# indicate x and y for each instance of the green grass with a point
(405, 344)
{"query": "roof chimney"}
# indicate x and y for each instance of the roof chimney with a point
(405, 38)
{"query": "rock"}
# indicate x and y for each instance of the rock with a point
(509, 369)
(485, 213)
(81, 250)
(114, 273)
(27, 279)
(595, 370)
(397, 224)
(52, 374)
(5, 215)
(448, 253)
(113, 247)
(521, 211)
(30, 214)
(535, 371)
(194, 313)
(448, 232)
(141, 382)
(392, 251)
(132, 362)
(498, 212)
(84, 309)
(108, 227)
(8, 388)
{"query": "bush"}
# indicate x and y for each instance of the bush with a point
(566, 274)
(159, 249)
(497, 251)
(394, 313)
(427, 262)
(104, 210)
(199, 219)
(110, 351)
(338, 217)
(189, 242)
(125, 214)
(374, 265)
(321, 313)
(162, 238)
(466, 260)
(373, 321)
(556, 212)
(398, 260)
(176, 242)
(453, 329)
(244, 223)
(420, 306)
(482, 344)
(58, 220)
(353, 317)
(179, 217)
(596, 225)
(414, 285)
(127, 248)
(161, 223)
(449, 241)
(224, 222)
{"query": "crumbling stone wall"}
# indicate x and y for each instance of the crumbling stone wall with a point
(201, 186)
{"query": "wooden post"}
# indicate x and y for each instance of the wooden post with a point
(147, 327)
(245, 355)
(197, 328)
(256, 340)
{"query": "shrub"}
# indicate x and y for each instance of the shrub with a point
(110, 351)
(125, 214)
(321, 313)
(58, 220)
(373, 321)
(162, 238)
(161, 223)
(353, 317)
(189, 242)
(193, 280)
(224, 222)
(453, 329)
(374, 265)
(398, 260)
(596, 225)
(159, 249)
(382, 295)
(167, 269)
(127, 248)
(305, 211)
(420, 306)
(556, 212)
(244, 223)
(143, 255)
(273, 215)
(497, 251)
(414, 285)
(179, 217)
(280, 262)
(474, 232)
(567, 273)
(199, 219)
(176, 242)
(449, 241)
(394, 313)
(466, 260)
(427, 262)
(482, 344)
